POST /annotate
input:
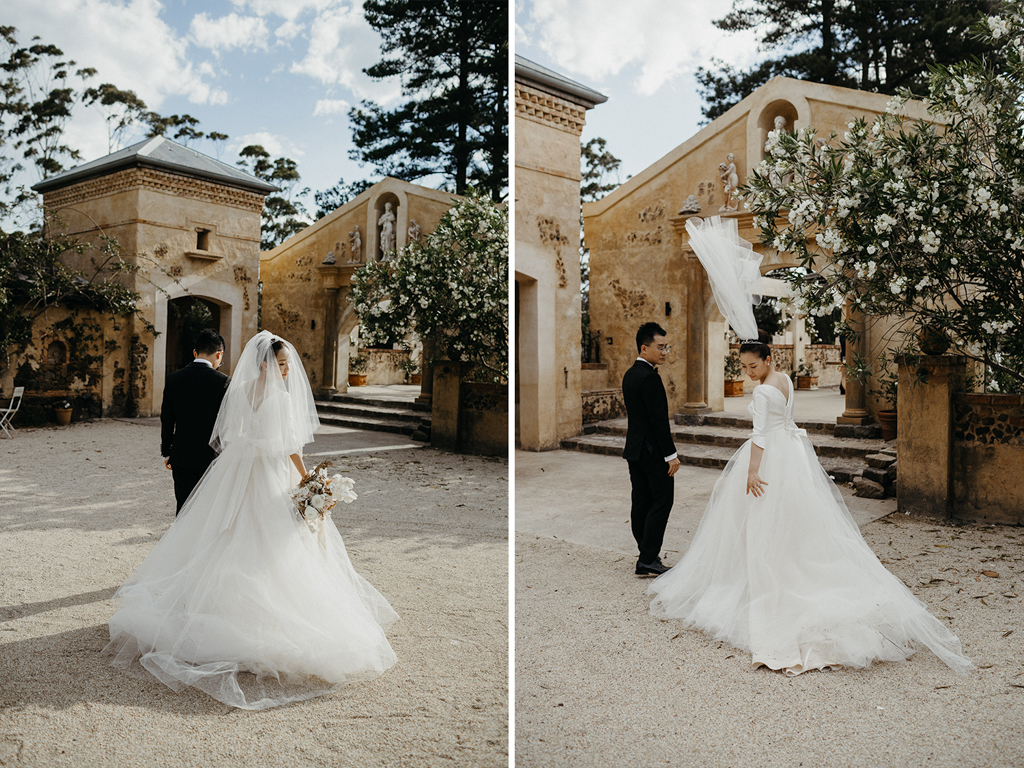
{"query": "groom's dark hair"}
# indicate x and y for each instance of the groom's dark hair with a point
(208, 342)
(646, 334)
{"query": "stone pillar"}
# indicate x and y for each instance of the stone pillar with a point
(856, 391)
(444, 406)
(924, 438)
(426, 374)
(330, 374)
(799, 353)
(696, 406)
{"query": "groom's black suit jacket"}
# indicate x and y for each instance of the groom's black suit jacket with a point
(192, 397)
(648, 434)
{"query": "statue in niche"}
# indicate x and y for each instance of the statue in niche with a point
(413, 234)
(386, 222)
(730, 181)
(691, 204)
(356, 241)
(776, 179)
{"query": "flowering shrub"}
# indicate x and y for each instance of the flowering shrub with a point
(924, 220)
(451, 289)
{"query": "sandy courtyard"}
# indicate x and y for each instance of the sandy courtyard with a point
(80, 507)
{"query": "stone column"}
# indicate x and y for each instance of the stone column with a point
(924, 437)
(696, 406)
(856, 391)
(427, 375)
(330, 374)
(444, 408)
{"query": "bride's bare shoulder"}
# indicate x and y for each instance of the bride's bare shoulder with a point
(778, 381)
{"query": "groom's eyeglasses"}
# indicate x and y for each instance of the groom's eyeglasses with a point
(666, 348)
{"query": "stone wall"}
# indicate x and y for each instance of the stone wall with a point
(988, 451)
(594, 376)
(603, 404)
(483, 418)
(295, 285)
(384, 366)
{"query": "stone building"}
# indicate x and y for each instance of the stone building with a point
(306, 279)
(642, 268)
(192, 226)
(550, 112)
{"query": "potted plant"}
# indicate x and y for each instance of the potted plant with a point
(412, 371)
(806, 376)
(888, 384)
(357, 371)
(733, 375)
(63, 412)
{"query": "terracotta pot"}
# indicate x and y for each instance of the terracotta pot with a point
(806, 382)
(63, 416)
(416, 378)
(357, 379)
(888, 420)
(933, 341)
(734, 388)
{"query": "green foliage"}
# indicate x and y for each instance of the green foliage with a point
(330, 200)
(283, 216)
(924, 220)
(733, 366)
(33, 278)
(452, 58)
(873, 45)
(768, 316)
(596, 165)
(451, 288)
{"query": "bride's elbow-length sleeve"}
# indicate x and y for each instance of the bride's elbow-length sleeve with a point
(759, 408)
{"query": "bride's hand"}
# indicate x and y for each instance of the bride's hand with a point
(755, 484)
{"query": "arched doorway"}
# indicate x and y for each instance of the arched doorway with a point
(186, 316)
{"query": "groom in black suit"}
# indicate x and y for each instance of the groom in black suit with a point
(649, 450)
(192, 397)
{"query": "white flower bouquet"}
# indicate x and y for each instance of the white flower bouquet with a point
(318, 494)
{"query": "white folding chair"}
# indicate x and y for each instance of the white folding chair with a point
(6, 414)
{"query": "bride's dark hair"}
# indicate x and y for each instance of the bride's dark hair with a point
(760, 347)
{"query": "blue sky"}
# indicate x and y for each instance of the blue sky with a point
(642, 55)
(281, 73)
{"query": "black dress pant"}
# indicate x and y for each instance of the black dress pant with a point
(653, 493)
(186, 478)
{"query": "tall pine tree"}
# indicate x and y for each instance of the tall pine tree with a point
(452, 58)
(873, 45)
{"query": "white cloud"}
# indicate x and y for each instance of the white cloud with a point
(290, 10)
(341, 44)
(598, 39)
(276, 145)
(127, 42)
(227, 32)
(331, 107)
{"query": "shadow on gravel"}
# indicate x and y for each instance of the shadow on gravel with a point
(12, 612)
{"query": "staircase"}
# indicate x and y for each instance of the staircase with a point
(377, 415)
(713, 443)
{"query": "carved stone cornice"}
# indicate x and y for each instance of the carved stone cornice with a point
(544, 108)
(336, 275)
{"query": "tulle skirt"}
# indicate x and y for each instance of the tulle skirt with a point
(788, 576)
(240, 600)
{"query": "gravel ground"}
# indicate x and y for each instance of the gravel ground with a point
(599, 682)
(80, 507)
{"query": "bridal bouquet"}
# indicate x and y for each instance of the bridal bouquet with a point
(318, 494)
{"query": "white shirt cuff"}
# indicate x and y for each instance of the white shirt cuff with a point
(673, 456)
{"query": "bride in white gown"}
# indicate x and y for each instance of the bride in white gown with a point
(239, 599)
(778, 567)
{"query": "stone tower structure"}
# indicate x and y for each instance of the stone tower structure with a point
(191, 224)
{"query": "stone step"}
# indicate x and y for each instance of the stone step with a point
(700, 455)
(393, 410)
(379, 402)
(744, 422)
(370, 424)
(825, 445)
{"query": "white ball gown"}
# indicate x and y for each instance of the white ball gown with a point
(788, 576)
(239, 598)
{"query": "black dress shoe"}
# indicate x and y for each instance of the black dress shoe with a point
(651, 569)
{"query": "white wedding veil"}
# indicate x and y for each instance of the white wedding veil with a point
(263, 409)
(733, 269)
